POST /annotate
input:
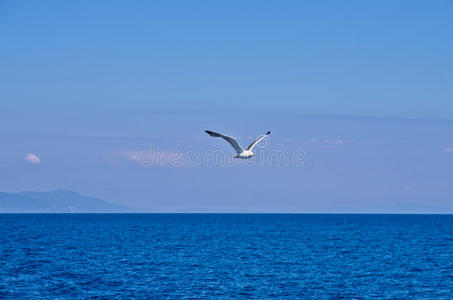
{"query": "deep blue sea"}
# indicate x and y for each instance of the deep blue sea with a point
(226, 255)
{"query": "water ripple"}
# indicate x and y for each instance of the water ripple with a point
(224, 256)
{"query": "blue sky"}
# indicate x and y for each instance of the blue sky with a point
(364, 89)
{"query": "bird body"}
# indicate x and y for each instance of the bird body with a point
(241, 153)
(245, 154)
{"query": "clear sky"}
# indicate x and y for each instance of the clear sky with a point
(364, 89)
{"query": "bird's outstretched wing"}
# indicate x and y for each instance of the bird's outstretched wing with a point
(229, 139)
(250, 147)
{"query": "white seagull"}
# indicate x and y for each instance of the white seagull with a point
(241, 153)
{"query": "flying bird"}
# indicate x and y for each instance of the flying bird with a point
(241, 153)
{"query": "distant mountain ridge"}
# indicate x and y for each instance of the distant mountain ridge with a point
(57, 201)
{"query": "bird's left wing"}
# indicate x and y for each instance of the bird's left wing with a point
(250, 147)
(229, 139)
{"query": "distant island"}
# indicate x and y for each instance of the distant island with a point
(57, 201)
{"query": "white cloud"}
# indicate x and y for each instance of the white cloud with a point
(447, 150)
(32, 158)
(334, 142)
(131, 156)
(327, 142)
(314, 141)
(147, 157)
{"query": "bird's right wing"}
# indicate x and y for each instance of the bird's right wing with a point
(250, 147)
(229, 139)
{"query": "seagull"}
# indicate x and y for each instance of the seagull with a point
(241, 153)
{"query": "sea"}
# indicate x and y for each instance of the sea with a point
(224, 256)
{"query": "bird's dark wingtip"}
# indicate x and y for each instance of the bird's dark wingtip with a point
(208, 132)
(268, 132)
